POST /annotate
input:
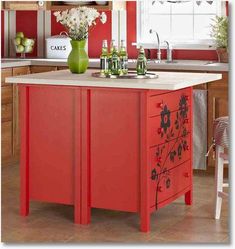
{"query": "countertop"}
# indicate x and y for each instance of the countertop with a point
(190, 65)
(165, 80)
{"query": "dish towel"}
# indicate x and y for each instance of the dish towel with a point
(199, 129)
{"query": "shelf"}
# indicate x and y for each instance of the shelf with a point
(24, 5)
(55, 6)
(49, 5)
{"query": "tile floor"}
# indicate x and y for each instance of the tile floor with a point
(176, 223)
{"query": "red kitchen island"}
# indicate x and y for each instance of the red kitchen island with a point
(106, 143)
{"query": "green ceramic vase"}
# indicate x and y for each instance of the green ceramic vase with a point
(78, 59)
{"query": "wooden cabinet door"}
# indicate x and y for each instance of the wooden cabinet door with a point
(42, 69)
(217, 106)
(16, 134)
(6, 140)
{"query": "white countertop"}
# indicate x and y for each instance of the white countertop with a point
(165, 81)
(190, 65)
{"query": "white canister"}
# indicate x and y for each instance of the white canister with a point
(58, 46)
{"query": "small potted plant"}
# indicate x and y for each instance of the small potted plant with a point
(220, 34)
(78, 22)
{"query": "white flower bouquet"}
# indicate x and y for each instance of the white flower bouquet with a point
(78, 21)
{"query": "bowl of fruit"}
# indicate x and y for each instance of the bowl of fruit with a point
(23, 45)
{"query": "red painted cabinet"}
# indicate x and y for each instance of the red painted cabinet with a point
(101, 147)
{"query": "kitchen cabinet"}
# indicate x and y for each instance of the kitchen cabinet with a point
(10, 119)
(217, 107)
(25, 5)
(107, 144)
(100, 140)
(62, 68)
(41, 69)
(7, 116)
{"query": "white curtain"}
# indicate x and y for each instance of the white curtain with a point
(199, 129)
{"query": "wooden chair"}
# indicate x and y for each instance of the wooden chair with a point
(221, 127)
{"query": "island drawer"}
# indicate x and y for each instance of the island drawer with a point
(171, 101)
(169, 155)
(6, 112)
(170, 183)
(169, 126)
(7, 94)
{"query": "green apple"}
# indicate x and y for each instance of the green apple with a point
(28, 49)
(19, 49)
(26, 41)
(20, 34)
(17, 41)
(32, 42)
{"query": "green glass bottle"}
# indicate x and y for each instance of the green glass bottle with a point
(141, 66)
(115, 62)
(110, 54)
(123, 58)
(104, 63)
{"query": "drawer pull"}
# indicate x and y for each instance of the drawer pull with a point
(160, 189)
(186, 175)
(186, 147)
(160, 105)
(159, 130)
(186, 121)
(159, 159)
(168, 183)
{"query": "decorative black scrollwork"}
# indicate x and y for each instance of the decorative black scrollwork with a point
(159, 173)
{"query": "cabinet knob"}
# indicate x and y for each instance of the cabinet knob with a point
(159, 159)
(186, 121)
(159, 130)
(160, 105)
(186, 174)
(160, 189)
(186, 147)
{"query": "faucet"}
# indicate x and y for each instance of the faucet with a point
(168, 52)
(159, 50)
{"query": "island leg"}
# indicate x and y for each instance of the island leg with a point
(188, 197)
(24, 154)
(144, 169)
(82, 205)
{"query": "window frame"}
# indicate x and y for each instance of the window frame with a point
(203, 44)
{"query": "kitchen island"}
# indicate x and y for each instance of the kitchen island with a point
(106, 143)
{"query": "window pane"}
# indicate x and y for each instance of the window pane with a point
(182, 8)
(159, 8)
(182, 27)
(206, 7)
(202, 26)
(160, 23)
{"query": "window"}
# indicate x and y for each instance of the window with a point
(185, 24)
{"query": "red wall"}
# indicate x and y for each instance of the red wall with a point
(177, 54)
(96, 35)
(26, 21)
